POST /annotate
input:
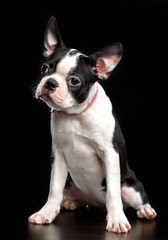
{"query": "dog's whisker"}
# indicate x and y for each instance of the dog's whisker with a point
(33, 88)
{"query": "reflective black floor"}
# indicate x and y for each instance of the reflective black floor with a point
(88, 224)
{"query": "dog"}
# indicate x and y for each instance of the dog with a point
(89, 154)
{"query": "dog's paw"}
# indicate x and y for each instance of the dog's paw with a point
(146, 211)
(118, 224)
(44, 216)
(70, 204)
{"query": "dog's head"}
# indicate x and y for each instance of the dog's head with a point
(67, 74)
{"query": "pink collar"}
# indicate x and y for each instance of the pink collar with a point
(89, 104)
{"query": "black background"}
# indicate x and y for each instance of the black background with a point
(137, 89)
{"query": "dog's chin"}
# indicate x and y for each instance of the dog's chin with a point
(45, 97)
(53, 104)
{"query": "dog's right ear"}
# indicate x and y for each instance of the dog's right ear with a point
(52, 38)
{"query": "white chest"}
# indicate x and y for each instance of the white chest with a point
(83, 139)
(83, 160)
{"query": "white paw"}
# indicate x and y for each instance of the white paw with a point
(44, 216)
(118, 224)
(146, 211)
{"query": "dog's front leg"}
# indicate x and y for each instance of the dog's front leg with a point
(116, 219)
(58, 178)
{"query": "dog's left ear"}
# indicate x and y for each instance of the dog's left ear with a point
(107, 59)
(52, 38)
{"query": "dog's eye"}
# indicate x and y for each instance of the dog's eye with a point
(74, 82)
(45, 68)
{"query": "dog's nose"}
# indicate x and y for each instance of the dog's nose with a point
(51, 84)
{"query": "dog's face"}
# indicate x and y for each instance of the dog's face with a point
(67, 74)
(66, 79)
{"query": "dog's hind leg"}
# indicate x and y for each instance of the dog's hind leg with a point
(72, 196)
(71, 204)
(134, 195)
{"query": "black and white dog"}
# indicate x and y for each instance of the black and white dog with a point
(90, 163)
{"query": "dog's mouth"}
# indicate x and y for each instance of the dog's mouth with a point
(47, 99)
(44, 96)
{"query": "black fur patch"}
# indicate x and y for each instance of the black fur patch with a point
(128, 177)
(54, 59)
(87, 76)
(120, 147)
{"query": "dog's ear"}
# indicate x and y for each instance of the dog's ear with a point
(107, 59)
(52, 38)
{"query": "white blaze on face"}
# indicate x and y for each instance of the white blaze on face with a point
(60, 99)
(67, 63)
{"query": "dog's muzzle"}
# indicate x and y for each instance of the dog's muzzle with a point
(51, 84)
(49, 87)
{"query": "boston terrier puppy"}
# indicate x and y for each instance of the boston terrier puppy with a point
(90, 162)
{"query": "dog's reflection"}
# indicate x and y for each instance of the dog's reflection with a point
(43, 232)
